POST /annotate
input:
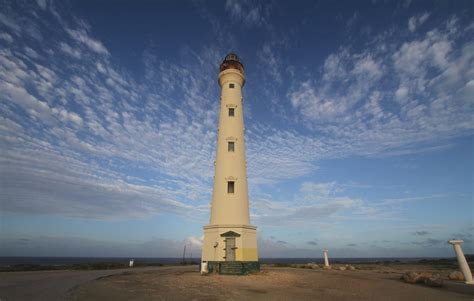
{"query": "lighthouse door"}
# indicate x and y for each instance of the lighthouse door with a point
(230, 249)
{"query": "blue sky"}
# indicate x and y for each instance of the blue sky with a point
(359, 125)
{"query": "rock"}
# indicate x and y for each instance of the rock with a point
(313, 265)
(434, 281)
(411, 277)
(457, 276)
(429, 279)
(425, 275)
(327, 267)
(342, 268)
(352, 268)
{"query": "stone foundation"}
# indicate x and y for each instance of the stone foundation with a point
(246, 267)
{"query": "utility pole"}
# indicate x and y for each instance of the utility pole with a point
(184, 254)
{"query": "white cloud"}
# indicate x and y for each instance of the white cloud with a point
(416, 21)
(312, 106)
(364, 106)
(12, 25)
(31, 53)
(433, 50)
(401, 92)
(42, 4)
(269, 59)
(319, 189)
(366, 66)
(248, 12)
(28, 102)
(45, 245)
(6, 37)
(69, 50)
(82, 36)
(314, 204)
(79, 190)
(275, 155)
(123, 149)
(68, 116)
(112, 126)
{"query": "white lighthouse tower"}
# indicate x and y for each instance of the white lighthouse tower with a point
(229, 237)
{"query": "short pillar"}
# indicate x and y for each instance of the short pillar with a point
(326, 261)
(131, 262)
(462, 260)
(204, 269)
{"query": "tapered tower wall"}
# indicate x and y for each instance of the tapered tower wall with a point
(230, 208)
(230, 205)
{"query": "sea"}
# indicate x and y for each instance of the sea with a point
(51, 261)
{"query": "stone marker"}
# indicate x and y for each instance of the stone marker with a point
(462, 260)
(326, 261)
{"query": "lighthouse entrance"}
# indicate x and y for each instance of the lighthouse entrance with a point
(229, 238)
(230, 249)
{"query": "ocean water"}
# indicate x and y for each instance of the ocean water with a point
(11, 260)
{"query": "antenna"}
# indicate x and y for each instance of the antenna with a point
(184, 254)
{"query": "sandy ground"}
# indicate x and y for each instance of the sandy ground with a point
(270, 284)
(53, 285)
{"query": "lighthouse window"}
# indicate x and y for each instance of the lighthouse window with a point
(231, 112)
(232, 86)
(230, 187)
(231, 146)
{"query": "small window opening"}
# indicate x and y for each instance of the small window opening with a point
(230, 186)
(231, 146)
(232, 86)
(231, 112)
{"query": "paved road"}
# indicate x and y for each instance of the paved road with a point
(54, 285)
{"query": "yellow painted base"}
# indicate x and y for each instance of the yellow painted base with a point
(213, 248)
(246, 254)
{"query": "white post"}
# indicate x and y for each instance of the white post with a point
(462, 260)
(204, 269)
(326, 261)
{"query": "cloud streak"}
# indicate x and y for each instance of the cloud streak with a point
(83, 137)
(367, 114)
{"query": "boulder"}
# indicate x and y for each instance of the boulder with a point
(435, 281)
(428, 279)
(342, 268)
(327, 267)
(351, 267)
(425, 275)
(457, 276)
(411, 277)
(414, 277)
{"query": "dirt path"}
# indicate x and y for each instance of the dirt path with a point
(54, 285)
(270, 284)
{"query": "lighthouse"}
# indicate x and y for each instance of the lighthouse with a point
(230, 241)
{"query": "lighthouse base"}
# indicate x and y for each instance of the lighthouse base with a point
(230, 243)
(233, 267)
